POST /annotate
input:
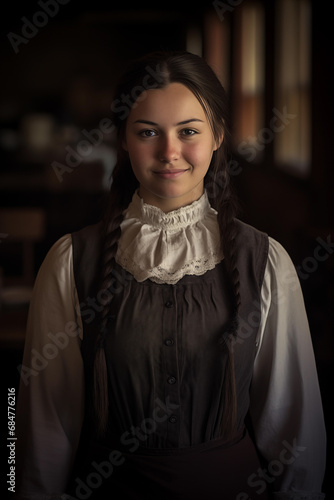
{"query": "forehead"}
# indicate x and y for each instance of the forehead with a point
(171, 104)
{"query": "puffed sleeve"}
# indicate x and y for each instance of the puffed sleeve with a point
(51, 393)
(285, 402)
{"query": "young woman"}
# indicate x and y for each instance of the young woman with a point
(168, 354)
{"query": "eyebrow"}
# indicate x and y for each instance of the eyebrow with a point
(184, 122)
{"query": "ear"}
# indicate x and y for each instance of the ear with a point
(218, 143)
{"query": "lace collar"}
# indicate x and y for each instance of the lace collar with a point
(164, 247)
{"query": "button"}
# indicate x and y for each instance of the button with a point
(169, 342)
(169, 303)
(173, 419)
(171, 380)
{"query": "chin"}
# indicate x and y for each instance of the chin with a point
(170, 194)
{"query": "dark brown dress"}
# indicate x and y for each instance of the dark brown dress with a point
(166, 377)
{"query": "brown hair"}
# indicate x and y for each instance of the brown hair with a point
(157, 70)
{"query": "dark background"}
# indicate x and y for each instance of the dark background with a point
(68, 71)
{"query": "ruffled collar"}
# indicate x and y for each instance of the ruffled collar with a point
(164, 247)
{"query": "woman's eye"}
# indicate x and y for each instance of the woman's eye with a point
(188, 131)
(147, 133)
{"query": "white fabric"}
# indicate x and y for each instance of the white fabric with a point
(286, 407)
(166, 246)
(285, 404)
(51, 395)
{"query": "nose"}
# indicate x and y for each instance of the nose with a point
(169, 150)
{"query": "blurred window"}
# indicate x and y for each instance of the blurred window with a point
(217, 47)
(268, 77)
(248, 77)
(292, 146)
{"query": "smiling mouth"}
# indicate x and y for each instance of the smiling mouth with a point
(170, 174)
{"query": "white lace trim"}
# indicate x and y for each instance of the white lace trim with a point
(165, 247)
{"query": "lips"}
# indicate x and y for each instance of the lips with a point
(170, 174)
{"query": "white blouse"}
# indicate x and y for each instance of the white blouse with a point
(285, 402)
(165, 247)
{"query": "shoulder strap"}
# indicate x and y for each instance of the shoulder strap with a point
(253, 247)
(86, 245)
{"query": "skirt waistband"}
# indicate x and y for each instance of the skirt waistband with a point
(115, 443)
(214, 444)
(216, 469)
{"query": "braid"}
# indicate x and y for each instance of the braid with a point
(120, 196)
(228, 234)
(112, 234)
(111, 237)
(222, 198)
(227, 225)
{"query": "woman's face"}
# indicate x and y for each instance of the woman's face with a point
(170, 145)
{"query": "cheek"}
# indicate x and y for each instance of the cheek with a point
(199, 155)
(141, 160)
(137, 157)
(139, 152)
